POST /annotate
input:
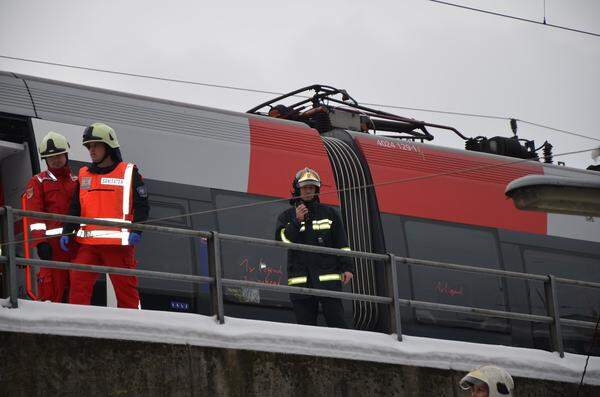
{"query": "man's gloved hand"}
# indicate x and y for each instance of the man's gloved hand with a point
(44, 251)
(134, 238)
(64, 243)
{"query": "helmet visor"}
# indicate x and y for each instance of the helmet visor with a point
(469, 381)
(309, 182)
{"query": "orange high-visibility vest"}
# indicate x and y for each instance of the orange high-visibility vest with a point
(107, 197)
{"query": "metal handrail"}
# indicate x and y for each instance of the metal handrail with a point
(301, 247)
(217, 282)
(115, 270)
(100, 222)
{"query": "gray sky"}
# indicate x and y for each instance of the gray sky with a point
(412, 53)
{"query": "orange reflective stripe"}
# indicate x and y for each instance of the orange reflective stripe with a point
(26, 250)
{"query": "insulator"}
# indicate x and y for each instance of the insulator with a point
(472, 144)
(321, 122)
(547, 153)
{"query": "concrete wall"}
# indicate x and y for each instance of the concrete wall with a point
(48, 365)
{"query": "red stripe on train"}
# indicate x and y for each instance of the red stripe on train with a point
(278, 151)
(469, 190)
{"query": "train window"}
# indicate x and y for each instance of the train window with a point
(168, 212)
(250, 261)
(570, 298)
(456, 244)
(166, 252)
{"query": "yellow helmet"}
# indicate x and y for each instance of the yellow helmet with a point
(307, 177)
(100, 132)
(53, 144)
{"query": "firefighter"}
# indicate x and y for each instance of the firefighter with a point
(109, 189)
(488, 381)
(51, 191)
(310, 222)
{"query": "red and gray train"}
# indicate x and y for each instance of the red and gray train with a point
(396, 192)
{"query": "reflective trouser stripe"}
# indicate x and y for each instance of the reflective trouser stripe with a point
(297, 280)
(37, 226)
(330, 277)
(54, 232)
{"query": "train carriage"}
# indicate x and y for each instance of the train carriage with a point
(232, 172)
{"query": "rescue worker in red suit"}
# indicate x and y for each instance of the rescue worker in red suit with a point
(51, 191)
(109, 189)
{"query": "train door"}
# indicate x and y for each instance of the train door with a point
(16, 148)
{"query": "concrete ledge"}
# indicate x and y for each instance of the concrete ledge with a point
(40, 365)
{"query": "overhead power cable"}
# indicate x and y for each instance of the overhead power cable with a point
(558, 130)
(258, 91)
(485, 116)
(587, 359)
(329, 192)
(143, 76)
(498, 14)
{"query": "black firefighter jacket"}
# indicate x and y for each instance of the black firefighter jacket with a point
(324, 228)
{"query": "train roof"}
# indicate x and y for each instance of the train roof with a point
(62, 101)
(30, 93)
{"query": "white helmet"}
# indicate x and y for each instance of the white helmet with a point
(596, 154)
(498, 381)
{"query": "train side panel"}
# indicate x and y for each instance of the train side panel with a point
(454, 186)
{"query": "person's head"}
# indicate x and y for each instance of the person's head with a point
(596, 154)
(480, 390)
(488, 381)
(54, 149)
(307, 184)
(101, 142)
(279, 111)
(98, 151)
(307, 193)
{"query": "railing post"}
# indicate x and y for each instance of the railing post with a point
(552, 311)
(395, 320)
(216, 288)
(10, 284)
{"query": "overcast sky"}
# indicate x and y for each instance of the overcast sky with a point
(413, 53)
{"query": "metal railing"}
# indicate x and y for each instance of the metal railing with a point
(217, 282)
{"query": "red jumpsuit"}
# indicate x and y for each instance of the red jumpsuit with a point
(50, 191)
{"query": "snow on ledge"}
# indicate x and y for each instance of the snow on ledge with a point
(198, 330)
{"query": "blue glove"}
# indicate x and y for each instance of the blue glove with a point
(134, 238)
(64, 241)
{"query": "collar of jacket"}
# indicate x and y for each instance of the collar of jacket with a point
(94, 169)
